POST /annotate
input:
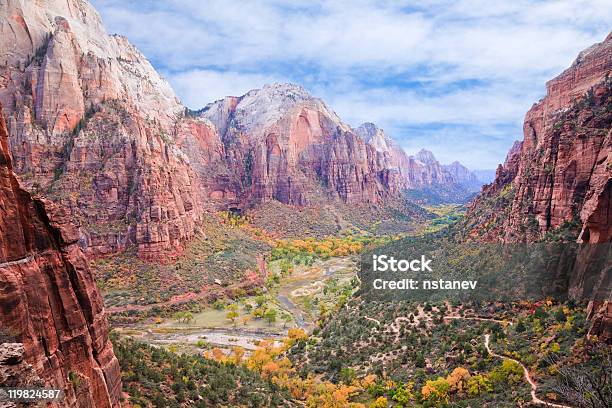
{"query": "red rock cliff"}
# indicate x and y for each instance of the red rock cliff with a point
(559, 179)
(283, 144)
(49, 301)
(92, 126)
(560, 175)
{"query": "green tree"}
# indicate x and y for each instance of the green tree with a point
(381, 402)
(478, 384)
(509, 372)
(420, 361)
(184, 317)
(232, 313)
(347, 375)
(260, 300)
(540, 313)
(403, 394)
(188, 317)
(270, 316)
(286, 319)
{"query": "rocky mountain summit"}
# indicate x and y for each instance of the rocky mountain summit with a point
(96, 129)
(421, 170)
(283, 144)
(53, 328)
(299, 150)
(90, 124)
(463, 176)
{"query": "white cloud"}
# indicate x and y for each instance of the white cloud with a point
(473, 37)
(199, 87)
(470, 64)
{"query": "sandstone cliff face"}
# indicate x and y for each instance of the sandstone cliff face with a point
(559, 179)
(394, 156)
(561, 172)
(49, 301)
(92, 126)
(282, 144)
(95, 128)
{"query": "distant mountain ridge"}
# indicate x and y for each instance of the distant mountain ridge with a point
(294, 144)
(95, 128)
(422, 171)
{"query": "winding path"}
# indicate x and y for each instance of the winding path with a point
(372, 319)
(534, 386)
(482, 319)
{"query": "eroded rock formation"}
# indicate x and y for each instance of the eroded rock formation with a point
(91, 126)
(557, 182)
(561, 173)
(96, 129)
(50, 307)
(282, 144)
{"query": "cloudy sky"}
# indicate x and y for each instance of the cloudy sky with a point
(455, 77)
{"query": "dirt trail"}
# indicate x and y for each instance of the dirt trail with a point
(483, 319)
(532, 383)
(372, 320)
(534, 386)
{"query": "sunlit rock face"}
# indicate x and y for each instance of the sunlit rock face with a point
(52, 319)
(92, 126)
(95, 128)
(561, 171)
(283, 144)
(560, 176)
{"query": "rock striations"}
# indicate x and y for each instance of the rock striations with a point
(282, 144)
(91, 125)
(561, 172)
(95, 128)
(52, 321)
(557, 182)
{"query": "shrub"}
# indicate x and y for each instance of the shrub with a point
(478, 384)
(381, 402)
(436, 391)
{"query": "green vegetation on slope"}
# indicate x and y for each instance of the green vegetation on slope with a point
(156, 377)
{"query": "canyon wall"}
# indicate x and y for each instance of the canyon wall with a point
(91, 126)
(560, 174)
(283, 144)
(52, 321)
(556, 183)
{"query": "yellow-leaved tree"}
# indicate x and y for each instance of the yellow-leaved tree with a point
(436, 391)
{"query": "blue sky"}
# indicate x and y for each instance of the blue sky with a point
(455, 77)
